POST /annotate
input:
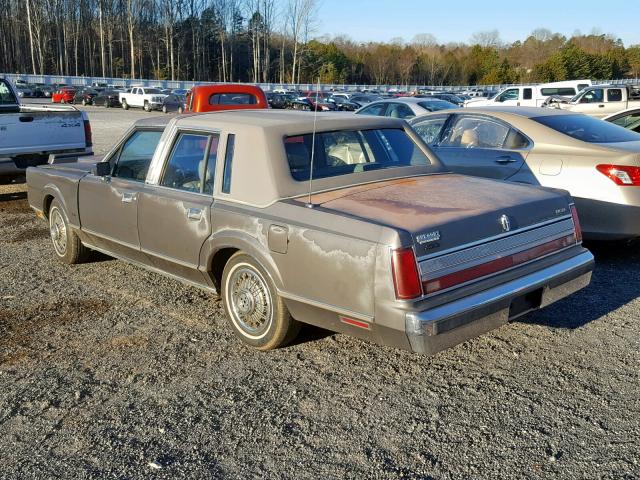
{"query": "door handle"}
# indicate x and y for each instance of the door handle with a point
(194, 213)
(600, 106)
(505, 159)
(128, 197)
(26, 119)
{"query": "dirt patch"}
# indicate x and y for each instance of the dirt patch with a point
(15, 202)
(19, 327)
(32, 233)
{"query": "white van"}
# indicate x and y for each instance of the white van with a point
(531, 95)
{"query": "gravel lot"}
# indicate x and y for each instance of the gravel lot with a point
(109, 371)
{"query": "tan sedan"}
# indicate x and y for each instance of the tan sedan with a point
(596, 161)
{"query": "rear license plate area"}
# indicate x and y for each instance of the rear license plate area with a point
(525, 303)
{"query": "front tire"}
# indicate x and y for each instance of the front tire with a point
(180, 110)
(256, 313)
(147, 107)
(164, 109)
(66, 244)
(125, 105)
(63, 101)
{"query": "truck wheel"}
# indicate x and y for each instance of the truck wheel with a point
(147, 107)
(256, 312)
(164, 109)
(66, 244)
(125, 105)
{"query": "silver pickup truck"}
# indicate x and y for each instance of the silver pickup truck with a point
(29, 134)
(347, 222)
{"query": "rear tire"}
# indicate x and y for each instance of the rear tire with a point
(63, 101)
(256, 313)
(66, 244)
(125, 105)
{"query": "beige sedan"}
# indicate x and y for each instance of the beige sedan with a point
(596, 161)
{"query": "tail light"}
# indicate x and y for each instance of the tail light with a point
(87, 133)
(623, 175)
(405, 274)
(576, 223)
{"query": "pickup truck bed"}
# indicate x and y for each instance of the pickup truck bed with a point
(29, 134)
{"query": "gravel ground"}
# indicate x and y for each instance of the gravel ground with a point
(109, 371)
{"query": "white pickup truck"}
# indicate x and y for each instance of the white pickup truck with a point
(530, 95)
(602, 100)
(29, 134)
(142, 97)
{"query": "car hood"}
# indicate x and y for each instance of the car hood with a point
(459, 208)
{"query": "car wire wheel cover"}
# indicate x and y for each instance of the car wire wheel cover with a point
(249, 301)
(58, 231)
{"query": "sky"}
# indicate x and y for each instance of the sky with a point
(382, 20)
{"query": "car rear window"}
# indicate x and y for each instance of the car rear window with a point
(351, 151)
(588, 129)
(436, 105)
(232, 99)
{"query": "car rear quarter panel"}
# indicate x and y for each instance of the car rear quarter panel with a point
(328, 267)
(46, 184)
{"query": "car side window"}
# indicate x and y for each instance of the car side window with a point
(476, 132)
(631, 121)
(187, 167)
(614, 95)
(136, 154)
(399, 110)
(593, 96)
(527, 94)
(510, 94)
(6, 95)
(375, 109)
(429, 129)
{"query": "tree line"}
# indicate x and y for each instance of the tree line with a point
(275, 41)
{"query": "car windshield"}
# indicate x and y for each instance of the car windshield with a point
(435, 105)
(351, 151)
(588, 129)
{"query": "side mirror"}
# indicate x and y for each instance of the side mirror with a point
(101, 169)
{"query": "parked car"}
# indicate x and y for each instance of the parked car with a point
(85, 96)
(142, 97)
(107, 99)
(343, 104)
(307, 104)
(602, 100)
(213, 98)
(277, 100)
(596, 161)
(386, 248)
(173, 103)
(531, 95)
(405, 107)
(629, 119)
(24, 91)
(63, 95)
(362, 100)
(47, 90)
(448, 97)
(29, 134)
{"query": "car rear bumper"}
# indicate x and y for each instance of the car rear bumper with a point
(602, 220)
(436, 329)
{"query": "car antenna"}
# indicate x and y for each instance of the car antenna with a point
(313, 144)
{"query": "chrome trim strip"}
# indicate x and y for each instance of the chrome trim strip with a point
(496, 237)
(492, 250)
(326, 306)
(424, 323)
(460, 285)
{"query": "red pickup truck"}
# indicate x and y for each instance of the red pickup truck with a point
(213, 98)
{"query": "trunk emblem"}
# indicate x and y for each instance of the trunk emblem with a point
(505, 222)
(428, 237)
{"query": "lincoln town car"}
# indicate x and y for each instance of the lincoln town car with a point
(349, 223)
